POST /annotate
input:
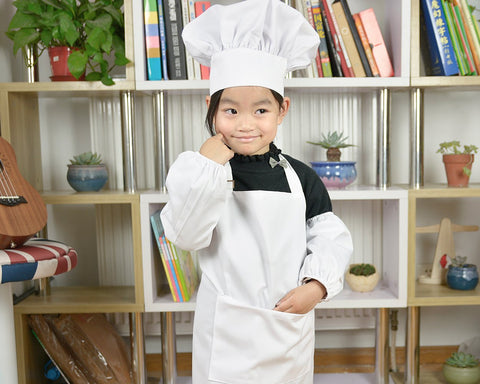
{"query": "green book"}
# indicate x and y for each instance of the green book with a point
(464, 39)
(461, 59)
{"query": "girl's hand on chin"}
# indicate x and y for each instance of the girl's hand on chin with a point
(215, 149)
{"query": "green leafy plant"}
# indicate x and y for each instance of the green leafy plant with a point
(86, 158)
(332, 142)
(94, 29)
(455, 148)
(362, 269)
(462, 360)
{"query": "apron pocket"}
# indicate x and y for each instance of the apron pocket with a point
(255, 345)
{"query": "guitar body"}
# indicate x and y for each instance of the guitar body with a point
(22, 210)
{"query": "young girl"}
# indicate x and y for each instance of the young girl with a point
(269, 246)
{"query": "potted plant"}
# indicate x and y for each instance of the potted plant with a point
(458, 162)
(362, 277)
(86, 172)
(461, 368)
(461, 275)
(89, 31)
(334, 172)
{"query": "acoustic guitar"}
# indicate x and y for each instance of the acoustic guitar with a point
(22, 210)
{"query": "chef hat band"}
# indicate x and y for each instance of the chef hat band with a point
(251, 43)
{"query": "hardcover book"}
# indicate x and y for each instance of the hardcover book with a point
(454, 34)
(442, 55)
(366, 45)
(200, 7)
(335, 62)
(376, 42)
(323, 47)
(163, 41)
(463, 37)
(176, 56)
(471, 33)
(152, 40)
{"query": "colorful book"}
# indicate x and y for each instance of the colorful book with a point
(307, 11)
(176, 55)
(345, 64)
(163, 41)
(188, 58)
(376, 42)
(442, 55)
(200, 7)
(164, 255)
(457, 47)
(196, 64)
(152, 40)
(332, 53)
(463, 37)
(349, 42)
(323, 47)
(470, 31)
(366, 45)
(356, 38)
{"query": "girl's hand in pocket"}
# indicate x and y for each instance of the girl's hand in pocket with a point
(302, 299)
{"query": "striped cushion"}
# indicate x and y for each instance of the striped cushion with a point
(35, 259)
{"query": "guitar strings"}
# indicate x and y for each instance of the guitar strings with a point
(8, 189)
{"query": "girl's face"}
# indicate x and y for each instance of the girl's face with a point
(248, 118)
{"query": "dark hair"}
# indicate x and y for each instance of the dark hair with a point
(213, 107)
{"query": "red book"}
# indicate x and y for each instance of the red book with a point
(200, 7)
(344, 62)
(366, 46)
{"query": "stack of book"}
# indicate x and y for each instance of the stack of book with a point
(453, 37)
(166, 56)
(178, 264)
(351, 45)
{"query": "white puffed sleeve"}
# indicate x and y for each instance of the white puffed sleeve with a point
(197, 190)
(329, 248)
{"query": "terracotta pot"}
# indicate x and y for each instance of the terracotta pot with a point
(59, 66)
(454, 165)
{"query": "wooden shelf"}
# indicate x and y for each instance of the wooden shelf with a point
(81, 300)
(68, 86)
(436, 295)
(438, 191)
(100, 197)
(428, 377)
(469, 82)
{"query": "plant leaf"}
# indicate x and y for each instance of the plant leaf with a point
(77, 63)
(24, 38)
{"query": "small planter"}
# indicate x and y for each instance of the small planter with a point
(59, 64)
(462, 278)
(362, 283)
(456, 375)
(335, 174)
(84, 178)
(454, 164)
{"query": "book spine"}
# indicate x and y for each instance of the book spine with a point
(346, 66)
(366, 46)
(348, 41)
(176, 60)
(178, 271)
(463, 38)
(356, 38)
(152, 41)
(442, 56)
(462, 65)
(171, 269)
(163, 41)
(335, 62)
(471, 33)
(196, 65)
(307, 8)
(200, 7)
(323, 47)
(376, 42)
(188, 57)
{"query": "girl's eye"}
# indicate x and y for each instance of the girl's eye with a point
(261, 111)
(231, 111)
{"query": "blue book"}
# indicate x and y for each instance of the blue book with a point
(152, 40)
(442, 54)
(163, 40)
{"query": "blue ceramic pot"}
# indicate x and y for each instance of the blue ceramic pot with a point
(464, 278)
(84, 178)
(335, 174)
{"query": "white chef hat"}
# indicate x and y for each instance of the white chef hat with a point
(252, 42)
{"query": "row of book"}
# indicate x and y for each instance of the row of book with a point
(166, 56)
(178, 264)
(351, 45)
(452, 34)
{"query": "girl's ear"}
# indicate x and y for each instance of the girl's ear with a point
(284, 109)
(207, 101)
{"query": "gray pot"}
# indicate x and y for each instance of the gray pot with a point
(84, 178)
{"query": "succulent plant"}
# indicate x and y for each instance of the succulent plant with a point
(362, 269)
(332, 142)
(86, 158)
(462, 360)
(458, 261)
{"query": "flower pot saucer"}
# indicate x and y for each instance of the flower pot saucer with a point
(64, 78)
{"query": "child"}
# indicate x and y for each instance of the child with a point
(269, 246)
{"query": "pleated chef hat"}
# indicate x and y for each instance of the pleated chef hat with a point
(252, 42)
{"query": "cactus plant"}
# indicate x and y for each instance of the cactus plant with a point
(462, 360)
(86, 158)
(332, 142)
(362, 270)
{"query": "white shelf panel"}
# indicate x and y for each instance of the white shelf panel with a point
(367, 192)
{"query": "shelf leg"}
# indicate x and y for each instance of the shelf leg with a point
(128, 138)
(381, 347)
(138, 348)
(412, 346)
(383, 157)
(31, 63)
(416, 138)
(169, 353)
(159, 100)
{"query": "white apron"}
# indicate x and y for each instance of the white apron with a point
(254, 259)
